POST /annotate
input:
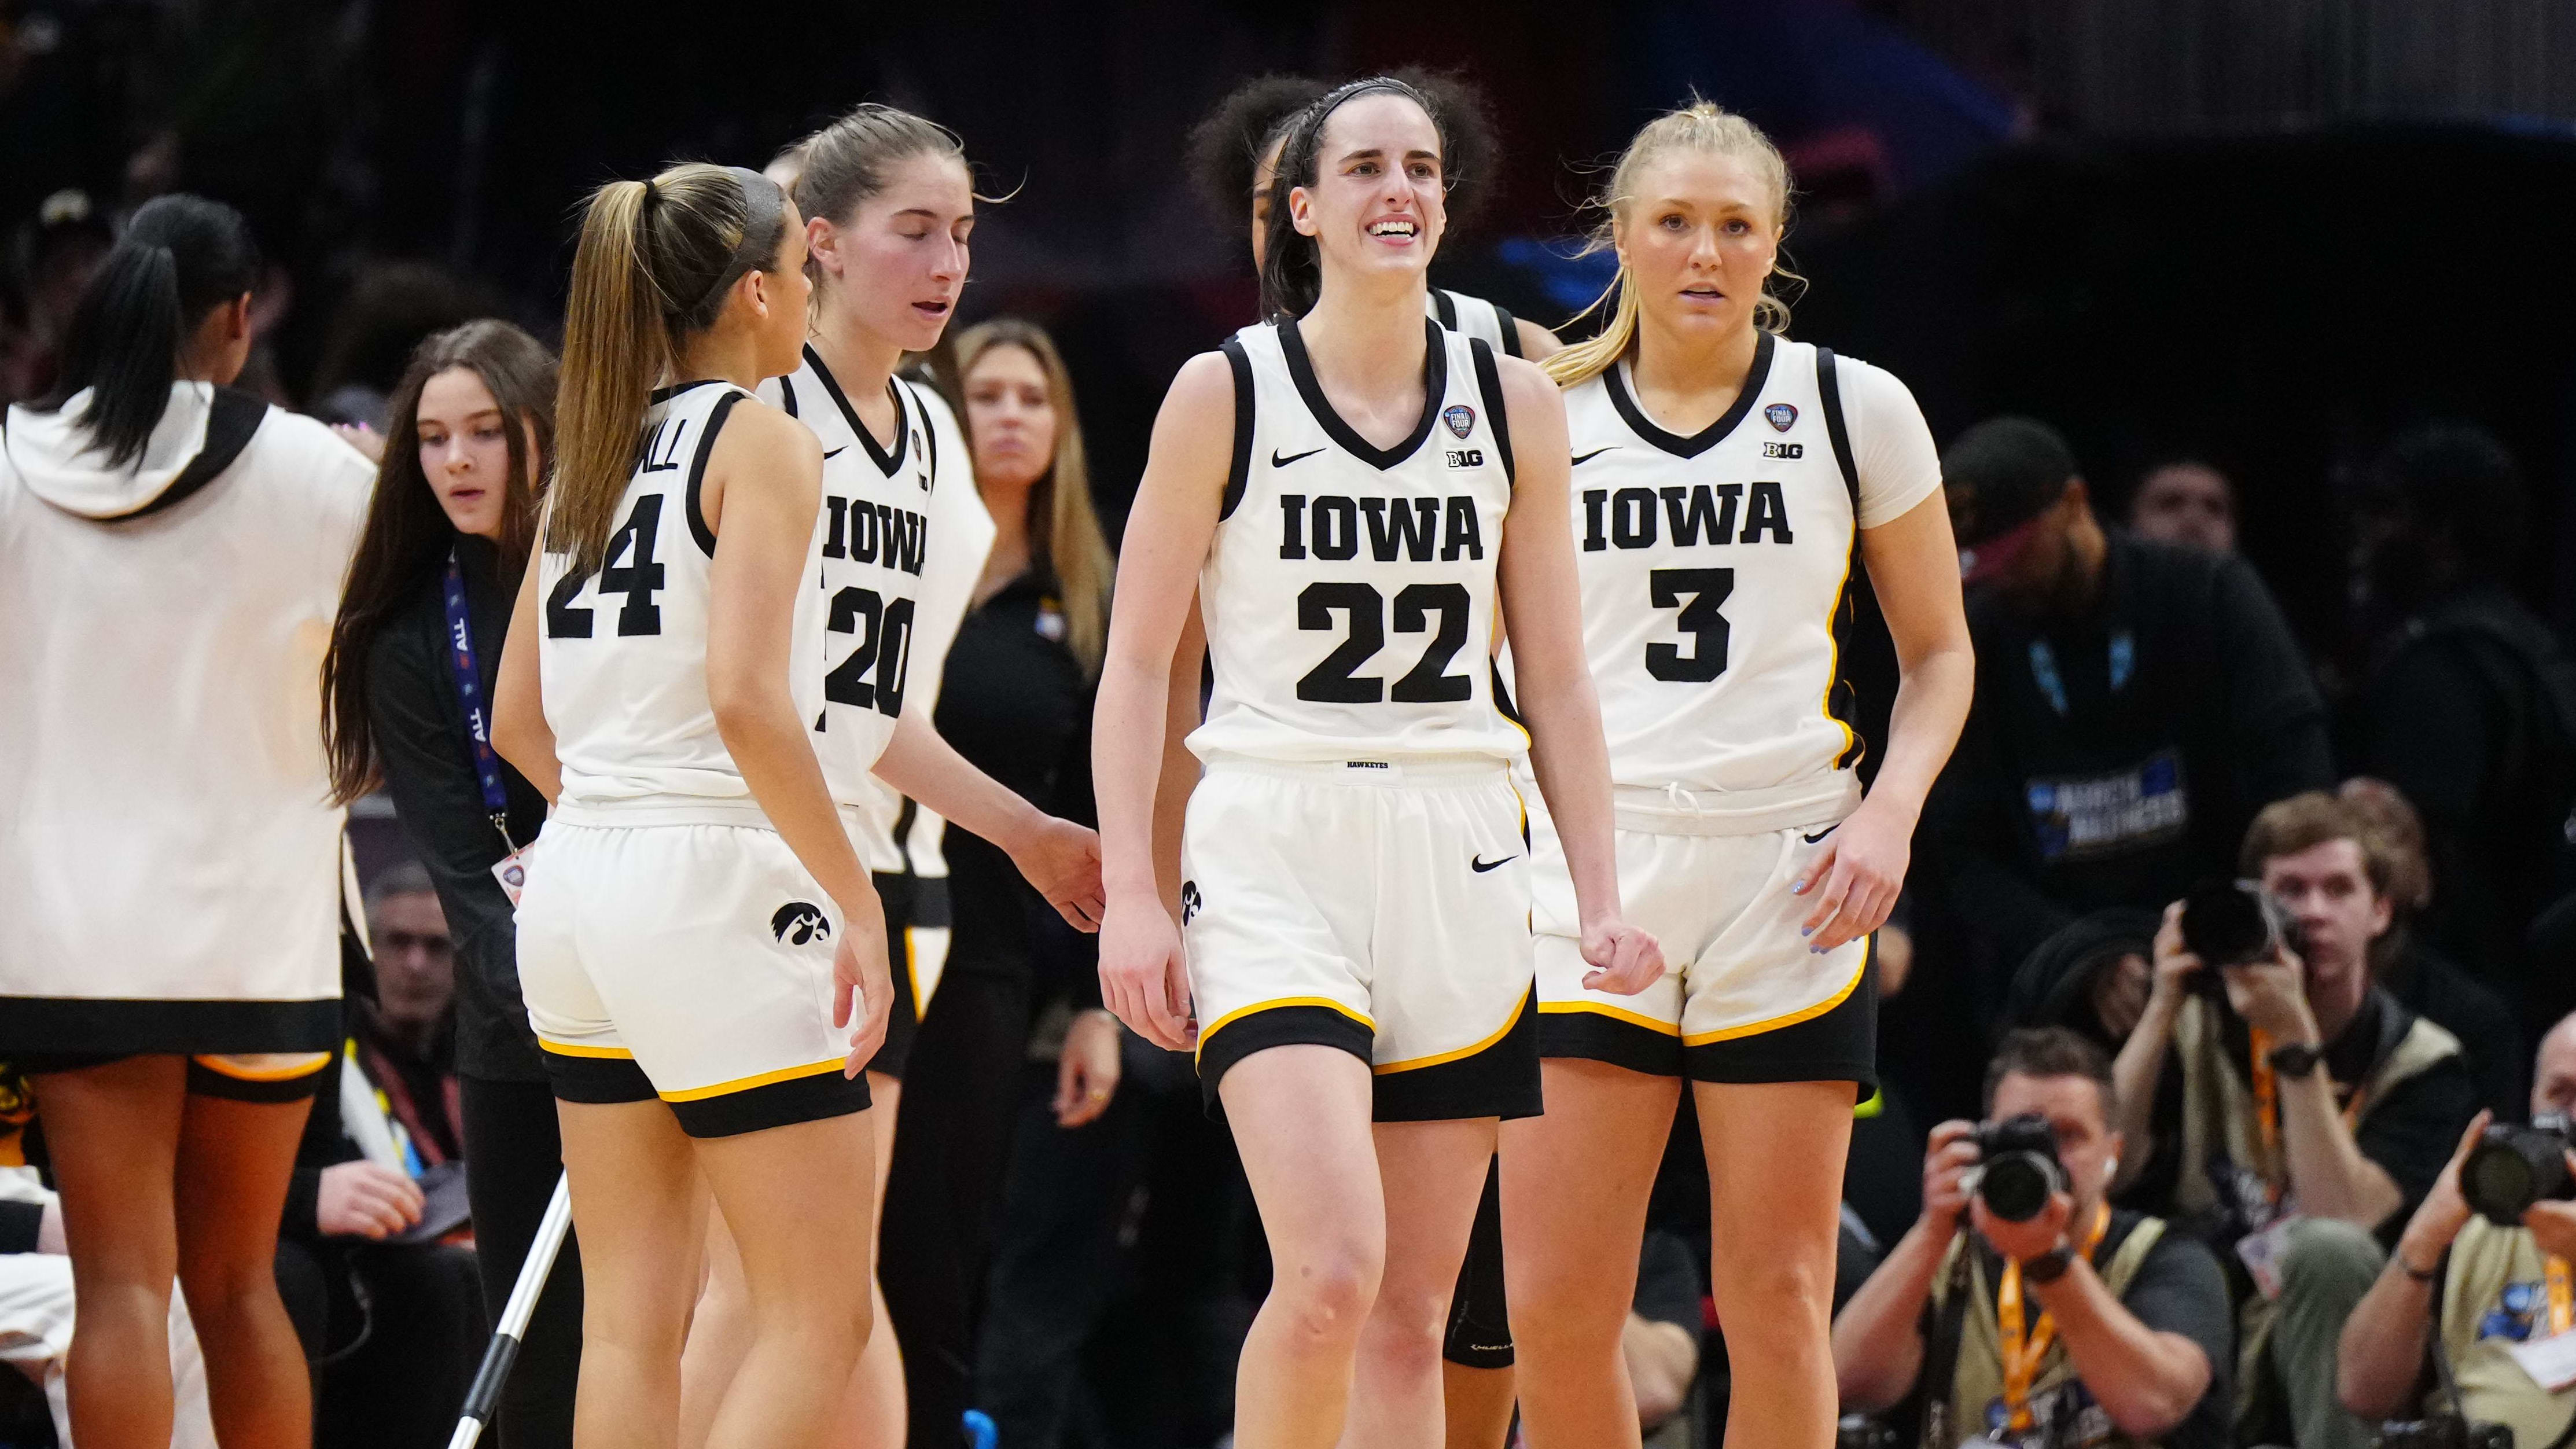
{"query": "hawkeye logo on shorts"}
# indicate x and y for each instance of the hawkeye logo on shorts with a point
(1189, 900)
(1460, 418)
(1781, 416)
(798, 922)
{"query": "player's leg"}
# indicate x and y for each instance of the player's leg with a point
(1432, 1175)
(1476, 1380)
(876, 1411)
(114, 1132)
(641, 1210)
(1775, 1170)
(1300, 1115)
(719, 1333)
(1575, 1186)
(235, 1158)
(802, 1231)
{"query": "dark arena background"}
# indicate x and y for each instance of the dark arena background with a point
(2270, 236)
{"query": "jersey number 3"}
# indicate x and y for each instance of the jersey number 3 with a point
(637, 576)
(1429, 682)
(1706, 591)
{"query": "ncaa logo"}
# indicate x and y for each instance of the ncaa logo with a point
(1460, 418)
(1781, 416)
(798, 922)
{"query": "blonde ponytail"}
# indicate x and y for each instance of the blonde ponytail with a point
(1701, 126)
(655, 263)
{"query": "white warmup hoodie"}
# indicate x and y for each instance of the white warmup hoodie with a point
(169, 860)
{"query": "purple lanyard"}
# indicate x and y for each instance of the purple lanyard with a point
(469, 693)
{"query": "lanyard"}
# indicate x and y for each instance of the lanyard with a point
(2022, 1355)
(469, 694)
(2267, 1101)
(2043, 668)
(2562, 1301)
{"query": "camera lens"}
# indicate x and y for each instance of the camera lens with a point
(2510, 1169)
(2223, 924)
(2016, 1185)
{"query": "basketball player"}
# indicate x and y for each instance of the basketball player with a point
(1235, 153)
(1726, 480)
(695, 924)
(1355, 911)
(889, 205)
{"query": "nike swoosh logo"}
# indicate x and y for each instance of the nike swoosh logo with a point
(1582, 458)
(1480, 865)
(1278, 462)
(1819, 835)
(836, 452)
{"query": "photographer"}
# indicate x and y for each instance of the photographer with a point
(2500, 1288)
(2314, 1107)
(2077, 1326)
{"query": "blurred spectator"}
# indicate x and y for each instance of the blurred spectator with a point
(389, 309)
(2128, 1336)
(406, 1037)
(2469, 702)
(2316, 1108)
(2187, 502)
(2487, 1289)
(1660, 1341)
(2429, 983)
(2136, 704)
(50, 262)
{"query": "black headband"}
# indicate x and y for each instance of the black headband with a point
(762, 202)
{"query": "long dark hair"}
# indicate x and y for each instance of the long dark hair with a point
(1226, 146)
(407, 536)
(181, 257)
(1292, 272)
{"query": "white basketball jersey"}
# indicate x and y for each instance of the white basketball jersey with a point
(1714, 569)
(1349, 591)
(622, 653)
(876, 530)
(1475, 317)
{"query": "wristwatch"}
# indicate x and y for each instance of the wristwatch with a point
(2295, 1059)
(2050, 1266)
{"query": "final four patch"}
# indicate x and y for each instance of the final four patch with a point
(1460, 418)
(1781, 415)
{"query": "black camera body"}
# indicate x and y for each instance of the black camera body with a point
(2232, 923)
(2442, 1431)
(2018, 1170)
(2514, 1166)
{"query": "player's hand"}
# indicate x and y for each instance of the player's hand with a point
(1086, 1075)
(1947, 1156)
(861, 978)
(1142, 979)
(1062, 860)
(366, 1200)
(1624, 959)
(1855, 879)
(363, 438)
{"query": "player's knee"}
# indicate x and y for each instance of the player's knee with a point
(1769, 1290)
(1328, 1292)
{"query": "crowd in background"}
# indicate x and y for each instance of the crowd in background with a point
(2147, 724)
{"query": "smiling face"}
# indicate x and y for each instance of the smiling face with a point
(1376, 205)
(893, 267)
(465, 451)
(1699, 232)
(1010, 417)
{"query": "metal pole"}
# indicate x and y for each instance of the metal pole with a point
(482, 1399)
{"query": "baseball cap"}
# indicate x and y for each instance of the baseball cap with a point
(2001, 475)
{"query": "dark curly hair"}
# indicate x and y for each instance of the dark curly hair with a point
(1225, 147)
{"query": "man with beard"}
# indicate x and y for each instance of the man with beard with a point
(2137, 703)
(2468, 706)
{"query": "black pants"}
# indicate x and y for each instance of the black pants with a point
(943, 1192)
(513, 1154)
(392, 1331)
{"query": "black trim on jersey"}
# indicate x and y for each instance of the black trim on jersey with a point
(662, 395)
(929, 434)
(1597, 1036)
(774, 1104)
(1435, 387)
(111, 1027)
(231, 419)
(886, 463)
(787, 395)
(1500, 1081)
(1238, 474)
(205, 1081)
(903, 1024)
(1489, 383)
(1445, 307)
(1708, 437)
(1511, 329)
(1839, 1046)
(1503, 697)
(601, 1081)
(1274, 1026)
(1841, 701)
(698, 529)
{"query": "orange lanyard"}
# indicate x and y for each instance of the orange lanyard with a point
(2562, 1301)
(2022, 1355)
(2267, 1101)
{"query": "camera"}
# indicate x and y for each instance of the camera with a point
(2232, 923)
(2513, 1167)
(2443, 1431)
(2018, 1170)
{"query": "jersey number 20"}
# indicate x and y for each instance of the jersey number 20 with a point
(872, 676)
(1706, 591)
(1429, 681)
